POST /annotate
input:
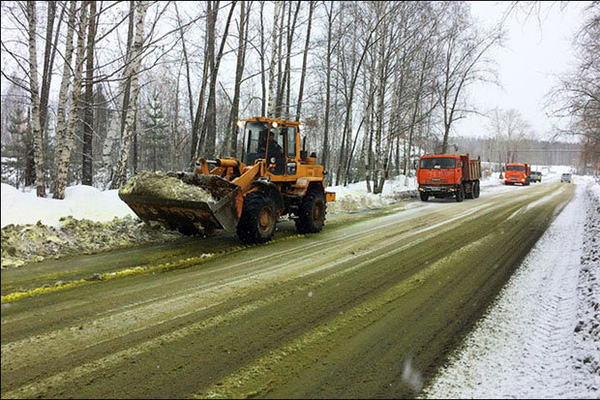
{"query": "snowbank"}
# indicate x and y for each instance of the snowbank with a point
(81, 202)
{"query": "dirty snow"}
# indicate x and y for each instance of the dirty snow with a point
(540, 340)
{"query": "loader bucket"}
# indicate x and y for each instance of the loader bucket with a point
(187, 203)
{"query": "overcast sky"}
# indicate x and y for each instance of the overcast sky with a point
(536, 50)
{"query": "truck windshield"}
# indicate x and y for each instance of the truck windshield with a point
(256, 140)
(514, 168)
(438, 163)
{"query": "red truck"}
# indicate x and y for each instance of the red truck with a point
(517, 173)
(449, 175)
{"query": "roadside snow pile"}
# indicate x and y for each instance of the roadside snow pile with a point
(355, 196)
(86, 221)
(22, 244)
(81, 202)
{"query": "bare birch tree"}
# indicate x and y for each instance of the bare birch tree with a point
(66, 145)
(35, 101)
(311, 6)
(271, 108)
(136, 60)
(464, 49)
(88, 124)
(231, 137)
(61, 115)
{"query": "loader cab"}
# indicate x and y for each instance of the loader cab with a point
(273, 142)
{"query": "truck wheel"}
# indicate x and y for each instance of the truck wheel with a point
(460, 194)
(476, 190)
(424, 196)
(470, 194)
(257, 223)
(311, 214)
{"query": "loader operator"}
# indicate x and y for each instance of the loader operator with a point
(274, 151)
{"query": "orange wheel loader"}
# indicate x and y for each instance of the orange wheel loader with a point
(274, 177)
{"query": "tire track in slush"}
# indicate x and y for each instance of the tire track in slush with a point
(131, 312)
(542, 313)
(13, 353)
(293, 273)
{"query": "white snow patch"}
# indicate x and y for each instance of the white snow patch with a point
(528, 346)
(80, 202)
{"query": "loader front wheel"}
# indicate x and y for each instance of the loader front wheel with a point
(311, 214)
(257, 223)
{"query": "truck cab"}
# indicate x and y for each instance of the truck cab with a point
(448, 175)
(517, 173)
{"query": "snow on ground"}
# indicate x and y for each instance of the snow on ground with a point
(81, 202)
(541, 339)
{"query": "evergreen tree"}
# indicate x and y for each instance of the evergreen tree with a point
(18, 167)
(155, 138)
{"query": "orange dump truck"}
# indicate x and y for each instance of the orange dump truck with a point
(448, 175)
(517, 173)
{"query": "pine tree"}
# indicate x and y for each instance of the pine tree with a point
(155, 134)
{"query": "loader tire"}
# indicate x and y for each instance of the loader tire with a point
(257, 223)
(476, 190)
(311, 214)
(424, 196)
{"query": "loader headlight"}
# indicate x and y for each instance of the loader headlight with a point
(275, 124)
(241, 123)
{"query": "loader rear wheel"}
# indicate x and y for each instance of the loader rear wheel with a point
(311, 214)
(257, 223)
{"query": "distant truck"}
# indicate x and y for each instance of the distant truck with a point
(448, 175)
(517, 173)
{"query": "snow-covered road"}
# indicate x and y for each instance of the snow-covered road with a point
(541, 339)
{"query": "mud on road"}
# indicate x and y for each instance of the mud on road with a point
(370, 307)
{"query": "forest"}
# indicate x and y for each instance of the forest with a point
(94, 92)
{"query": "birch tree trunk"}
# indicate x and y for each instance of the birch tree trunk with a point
(368, 128)
(263, 80)
(35, 102)
(311, 6)
(209, 129)
(381, 88)
(278, 84)
(136, 60)
(67, 144)
(49, 52)
(61, 115)
(272, 101)
(88, 123)
(287, 71)
(325, 146)
(232, 137)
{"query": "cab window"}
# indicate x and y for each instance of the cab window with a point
(291, 142)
